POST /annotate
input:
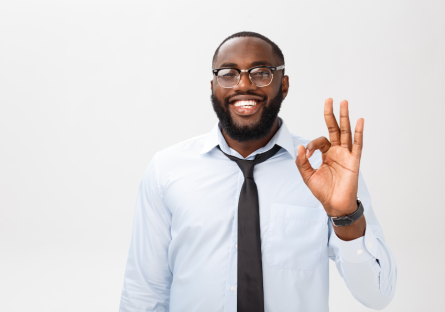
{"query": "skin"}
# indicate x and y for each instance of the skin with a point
(335, 182)
(245, 53)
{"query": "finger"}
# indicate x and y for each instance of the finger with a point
(358, 138)
(321, 144)
(331, 122)
(303, 164)
(345, 126)
(350, 141)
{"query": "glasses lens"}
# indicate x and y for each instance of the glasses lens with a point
(227, 78)
(261, 76)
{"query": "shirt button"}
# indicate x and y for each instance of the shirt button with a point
(359, 252)
(236, 246)
(233, 288)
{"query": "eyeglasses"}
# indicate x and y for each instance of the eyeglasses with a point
(261, 76)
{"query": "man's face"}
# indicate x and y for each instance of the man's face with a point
(247, 124)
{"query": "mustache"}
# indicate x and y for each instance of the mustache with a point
(227, 99)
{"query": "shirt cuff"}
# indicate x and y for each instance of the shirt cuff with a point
(358, 250)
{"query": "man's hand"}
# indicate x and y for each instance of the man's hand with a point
(335, 182)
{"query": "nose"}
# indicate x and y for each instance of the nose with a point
(244, 83)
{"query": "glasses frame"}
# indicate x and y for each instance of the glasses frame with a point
(272, 68)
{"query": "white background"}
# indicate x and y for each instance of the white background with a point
(90, 90)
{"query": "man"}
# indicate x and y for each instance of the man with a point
(239, 219)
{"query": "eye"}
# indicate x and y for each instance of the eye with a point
(228, 75)
(262, 72)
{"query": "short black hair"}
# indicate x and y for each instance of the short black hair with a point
(275, 48)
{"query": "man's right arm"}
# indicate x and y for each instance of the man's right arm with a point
(148, 277)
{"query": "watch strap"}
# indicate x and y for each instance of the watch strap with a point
(349, 219)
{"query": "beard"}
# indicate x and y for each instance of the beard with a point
(246, 133)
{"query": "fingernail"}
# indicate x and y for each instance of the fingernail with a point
(307, 153)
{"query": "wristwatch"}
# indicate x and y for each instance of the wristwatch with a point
(349, 219)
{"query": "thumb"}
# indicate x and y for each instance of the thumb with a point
(303, 164)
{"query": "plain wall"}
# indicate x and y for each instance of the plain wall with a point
(90, 90)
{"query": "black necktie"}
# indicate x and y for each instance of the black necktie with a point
(250, 297)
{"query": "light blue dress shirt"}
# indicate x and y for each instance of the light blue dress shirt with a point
(183, 253)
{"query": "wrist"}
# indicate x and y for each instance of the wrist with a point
(350, 218)
(332, 212)
(353, 231)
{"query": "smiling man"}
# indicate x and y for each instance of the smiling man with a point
(239, 219)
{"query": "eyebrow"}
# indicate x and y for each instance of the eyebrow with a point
(228, 65)
(257, 63)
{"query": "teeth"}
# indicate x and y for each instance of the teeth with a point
(245, 104)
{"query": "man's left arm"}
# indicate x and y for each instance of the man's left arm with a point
(358, 247)
(365, 263)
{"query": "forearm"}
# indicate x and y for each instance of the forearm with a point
(148, 278)
(146, 286)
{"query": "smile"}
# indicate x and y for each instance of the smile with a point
(246, 107)
(246, 103)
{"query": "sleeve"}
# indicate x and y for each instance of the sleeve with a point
(148, 277)
(366, 264)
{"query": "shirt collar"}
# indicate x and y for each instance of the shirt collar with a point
(282, 138)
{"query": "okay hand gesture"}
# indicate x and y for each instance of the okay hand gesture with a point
(335, 182)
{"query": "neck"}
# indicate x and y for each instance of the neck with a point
(247, 148)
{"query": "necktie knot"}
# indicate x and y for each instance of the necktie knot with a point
(246, 167)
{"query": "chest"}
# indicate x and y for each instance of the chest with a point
(205, 195)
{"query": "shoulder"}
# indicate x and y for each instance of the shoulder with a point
(315, 159)
(191, 145)
(180, 153)
(298, 140)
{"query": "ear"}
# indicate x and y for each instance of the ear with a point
(211, 84)
(285, 85)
